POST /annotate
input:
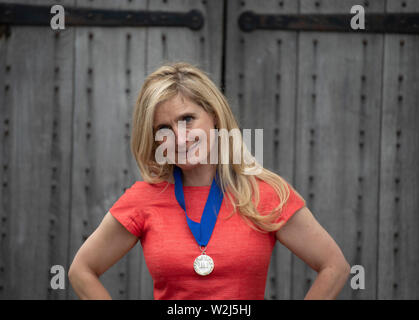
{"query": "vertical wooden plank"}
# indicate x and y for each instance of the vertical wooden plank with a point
(338, 126)
(399, 175)
(139, 281)
(6, 160)
(5, 175)
(202, 48)
(261, 87)
(109, 66)
(36, 150)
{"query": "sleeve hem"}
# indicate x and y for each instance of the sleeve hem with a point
(129, 225)
(295, 203)
(291, 213)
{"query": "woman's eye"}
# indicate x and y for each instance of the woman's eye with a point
(188, 118)
(161, 128)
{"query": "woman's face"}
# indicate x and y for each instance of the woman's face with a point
(192, 116)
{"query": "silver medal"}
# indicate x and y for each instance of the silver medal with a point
(203, 264)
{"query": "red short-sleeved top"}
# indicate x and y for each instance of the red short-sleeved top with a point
(241, 254)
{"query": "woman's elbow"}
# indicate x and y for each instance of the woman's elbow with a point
(346, 270)
(343, 268)
(77, 269)
(72, 272)
(340, 266)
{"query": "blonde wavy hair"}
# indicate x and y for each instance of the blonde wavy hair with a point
(168, 81)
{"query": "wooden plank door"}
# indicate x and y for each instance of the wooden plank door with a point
(36, 128)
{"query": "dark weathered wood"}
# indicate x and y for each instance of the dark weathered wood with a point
(261, 85)
(337, 147)
(36, 97)
(398, 258)
(374, 22)
(338, 134)
(23, 14)
(102, 164)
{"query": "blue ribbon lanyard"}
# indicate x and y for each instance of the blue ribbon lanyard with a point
(201, 231)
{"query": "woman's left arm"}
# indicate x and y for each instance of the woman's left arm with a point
(308, 240)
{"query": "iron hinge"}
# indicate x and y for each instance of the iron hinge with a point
(18, 14)
(374, 23)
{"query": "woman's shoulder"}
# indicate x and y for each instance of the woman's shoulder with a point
(141, 195)
(266, 190)
(144, 190)
(268, 193)
(269, 198)
(147, 186)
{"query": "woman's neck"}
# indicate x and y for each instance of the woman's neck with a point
(201, 175)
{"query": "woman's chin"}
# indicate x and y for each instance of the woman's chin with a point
(188, 166)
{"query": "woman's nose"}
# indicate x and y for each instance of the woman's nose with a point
(181, 136)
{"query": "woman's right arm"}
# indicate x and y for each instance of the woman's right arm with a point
(105, 246)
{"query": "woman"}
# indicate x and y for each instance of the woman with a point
(207, 227)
